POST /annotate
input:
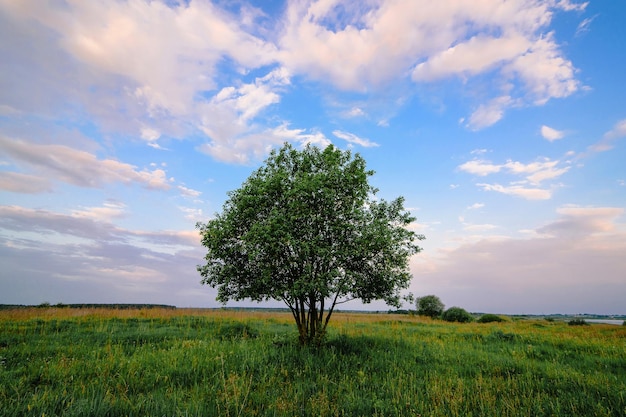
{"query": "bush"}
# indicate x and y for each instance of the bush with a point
(490, 318)
(457, 314)
(429, 305)
(577, 322)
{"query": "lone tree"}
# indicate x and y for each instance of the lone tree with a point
(306, 229)
(429, 305)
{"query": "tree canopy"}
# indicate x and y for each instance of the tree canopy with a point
(306, 229)
(429, 305)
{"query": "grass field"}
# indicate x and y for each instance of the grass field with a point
(70, 362)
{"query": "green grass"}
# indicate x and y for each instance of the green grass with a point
(197, 364)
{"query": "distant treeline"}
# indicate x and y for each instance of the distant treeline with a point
(109, 306)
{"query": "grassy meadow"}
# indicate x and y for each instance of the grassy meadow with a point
(83, 362)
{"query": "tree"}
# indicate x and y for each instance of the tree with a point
(429, 305)
(306, 229)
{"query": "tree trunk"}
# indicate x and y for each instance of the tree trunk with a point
(310, 322)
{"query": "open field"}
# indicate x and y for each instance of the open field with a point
(180, 362)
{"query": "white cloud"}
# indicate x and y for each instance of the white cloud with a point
(151, 136)
(109, 211)
(479, 228)
(354, 139)
(551, 134)
(152, 66)
(519, 191)
(476, 206)
(62, 163)
(479, 167)
(317, 138)
(490, 113)
(534, 172)
(228, 118)
(568, 6)
(537, 172)
(256, 144)
(354, 112)
(193, 214)
(478, 54)
(188, 192)
(544, 71)
(366, 46)
(120, 38)
(136, 67)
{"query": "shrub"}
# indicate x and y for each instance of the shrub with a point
(457, 314)
(490, 318)
(577, 322)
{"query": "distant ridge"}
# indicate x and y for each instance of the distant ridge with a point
(89, 305)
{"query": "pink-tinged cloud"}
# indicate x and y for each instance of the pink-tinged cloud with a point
(76, 167)
(574, 264)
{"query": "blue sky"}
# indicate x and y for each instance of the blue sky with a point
(502, 123)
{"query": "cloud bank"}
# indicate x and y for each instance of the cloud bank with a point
(153, 69)
(570, 265)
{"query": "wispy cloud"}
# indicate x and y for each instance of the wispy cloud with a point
(76, 167)
(533, 174)
(528, 193)
(188, 192)
(354, 139)
(585, 25)
(609, 138)
(109, 211)
(489, 113)
(354, 112)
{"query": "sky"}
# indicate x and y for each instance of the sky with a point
(502, 123)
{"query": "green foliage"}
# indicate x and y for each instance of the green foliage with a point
(490, 318)
(305, 229)
(501, 336)
(577, 322)
(457, 314)
(185, 366)
(430, 306)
